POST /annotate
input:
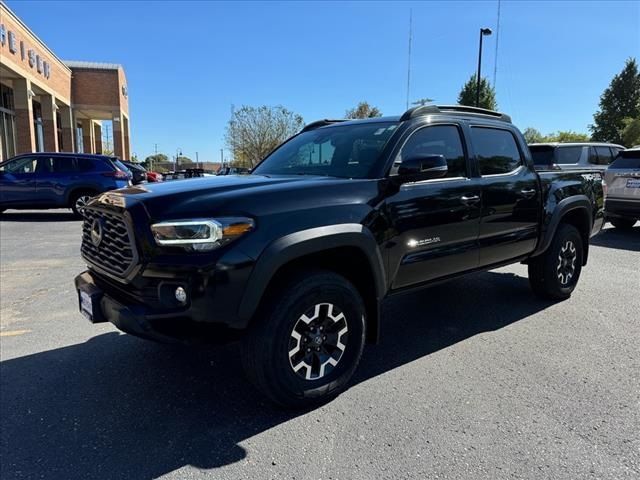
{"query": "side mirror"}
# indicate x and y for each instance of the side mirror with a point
(423, 167)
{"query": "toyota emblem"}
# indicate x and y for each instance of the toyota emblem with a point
(96, 232)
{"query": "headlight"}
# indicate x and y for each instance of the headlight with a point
(200, 235)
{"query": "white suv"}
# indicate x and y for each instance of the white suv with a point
(622, 189)
(571, 156)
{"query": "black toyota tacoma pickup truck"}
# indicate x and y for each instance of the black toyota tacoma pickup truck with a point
(295, 259)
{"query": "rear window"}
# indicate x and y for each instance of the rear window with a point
(120, 165)
(542, 155)
(626, 160)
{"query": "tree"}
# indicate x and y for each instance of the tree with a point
(467, 95)
(363, 110)
(631, 132)
(531, 135)
(152, 160)
(253, 132)
(619, 101)
(566, 136)
(181, 160)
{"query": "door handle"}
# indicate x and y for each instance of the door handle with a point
(470, 200)
(528, 193)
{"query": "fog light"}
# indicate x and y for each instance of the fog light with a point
(181, 295)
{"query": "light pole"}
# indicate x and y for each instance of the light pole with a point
(483, 32)
(178, 155)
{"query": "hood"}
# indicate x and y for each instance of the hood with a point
(235, 194)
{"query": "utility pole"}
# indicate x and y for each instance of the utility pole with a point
(197, 162)
(222, 157)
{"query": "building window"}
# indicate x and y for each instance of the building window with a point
(79, 140)
(7, 123)
(37, 126)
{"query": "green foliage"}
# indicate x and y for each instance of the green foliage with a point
(183, 161)
(363, 110)
(467, 94)
(631, 132)
(253, 132)
(619, 101)
(152, 160)
(531, 135)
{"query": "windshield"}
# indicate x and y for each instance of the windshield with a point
(348, 151)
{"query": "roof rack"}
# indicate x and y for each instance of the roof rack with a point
(318, 124)
(460, 109)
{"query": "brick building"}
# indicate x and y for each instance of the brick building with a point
(50, 105)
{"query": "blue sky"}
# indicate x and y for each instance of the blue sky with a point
(188, 62)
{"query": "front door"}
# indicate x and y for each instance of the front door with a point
(18, 182)
(511, 196)
(434, 223)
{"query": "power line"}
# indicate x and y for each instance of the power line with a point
(495, 60)
(409, 57)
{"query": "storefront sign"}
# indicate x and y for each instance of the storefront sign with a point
(34, 59)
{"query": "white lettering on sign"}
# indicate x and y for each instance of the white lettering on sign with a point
(12, 42)
(41, 65)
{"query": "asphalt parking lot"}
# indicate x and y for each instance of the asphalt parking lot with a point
(473, 379)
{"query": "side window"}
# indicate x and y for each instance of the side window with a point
(604, 155)
(64, 165)
(496, 150)
(438, 140)
(21, 165)
(568, 155)
(86, 165)
(593, 156)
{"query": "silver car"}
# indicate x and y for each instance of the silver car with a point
(571, 156)
(622, 189)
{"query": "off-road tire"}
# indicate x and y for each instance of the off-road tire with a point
(266, 350)
(552, 278)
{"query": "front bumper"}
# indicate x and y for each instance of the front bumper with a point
(188, 324)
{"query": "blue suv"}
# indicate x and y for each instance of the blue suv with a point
(58, 180)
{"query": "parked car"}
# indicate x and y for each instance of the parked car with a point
(232, 171)
(154, 176)
(296, 258)
(622, 189)
(138, 171)
(58, 180)
(572, 156)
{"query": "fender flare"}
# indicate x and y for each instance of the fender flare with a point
(299, 244)
(575, 202)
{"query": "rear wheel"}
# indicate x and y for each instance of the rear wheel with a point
(309, 341)
(623, 223)
(554, 274)
(79, 200)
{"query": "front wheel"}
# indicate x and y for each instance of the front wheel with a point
(309, 341)
(623, 223)
(554, 274)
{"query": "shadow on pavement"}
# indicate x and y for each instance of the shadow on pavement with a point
(119, 407)
(39, 216)
(620, 239)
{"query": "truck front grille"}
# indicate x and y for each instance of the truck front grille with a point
(107, 242)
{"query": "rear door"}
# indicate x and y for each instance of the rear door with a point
(18, 182)
(55, 176)
(510, 196)
(434, 222)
